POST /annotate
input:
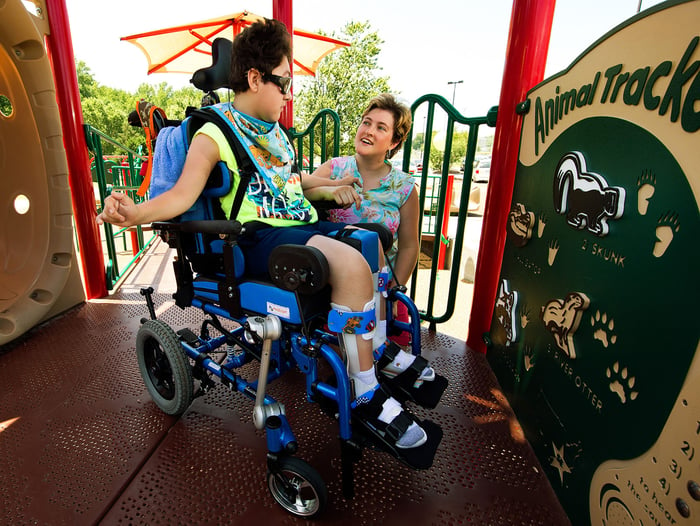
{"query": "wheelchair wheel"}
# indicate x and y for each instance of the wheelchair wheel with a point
(298, 488)
(164, 367)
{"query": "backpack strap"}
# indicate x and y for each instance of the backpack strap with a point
(246, 168)
(152, 119)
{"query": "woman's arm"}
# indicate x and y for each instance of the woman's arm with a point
(321, 176)
(408, 238)
(344, 196)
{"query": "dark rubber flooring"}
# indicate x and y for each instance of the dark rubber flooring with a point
(81, 442)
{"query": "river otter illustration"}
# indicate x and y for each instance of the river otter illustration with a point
(562, 318)
(585, 197)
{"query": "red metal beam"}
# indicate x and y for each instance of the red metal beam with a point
(282, 11)
(526, 58)
(60, 52)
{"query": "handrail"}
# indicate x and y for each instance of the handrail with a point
(124, 178)
(309, 132)
(434, 102)
(315, 141)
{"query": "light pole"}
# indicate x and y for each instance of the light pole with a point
(454, 88)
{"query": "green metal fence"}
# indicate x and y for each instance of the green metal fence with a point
(320, 141)
(314, 140)
(432, 185)
(109, 176)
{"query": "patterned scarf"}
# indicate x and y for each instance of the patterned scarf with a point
(268, 147)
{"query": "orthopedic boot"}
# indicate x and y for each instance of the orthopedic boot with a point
(402, 360)
(352, 325)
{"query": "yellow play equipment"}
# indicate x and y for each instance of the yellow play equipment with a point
(39, 277)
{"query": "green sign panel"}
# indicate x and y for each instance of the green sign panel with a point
(595, 329)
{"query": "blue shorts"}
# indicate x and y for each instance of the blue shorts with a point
(258, 245)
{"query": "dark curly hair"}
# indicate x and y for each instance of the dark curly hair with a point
(262, 46)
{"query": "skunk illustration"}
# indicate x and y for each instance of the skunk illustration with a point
(585, 197)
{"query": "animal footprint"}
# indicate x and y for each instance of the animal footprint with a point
(541, 223)
(646, 184)
(524, 316)
(668, 225)
(604, 332)
(527, 358)
(553, 249)
(620, 383)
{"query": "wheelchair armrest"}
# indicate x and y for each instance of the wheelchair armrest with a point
(215, 227)
(385, 235)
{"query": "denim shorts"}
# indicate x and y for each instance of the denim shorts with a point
(258, 245)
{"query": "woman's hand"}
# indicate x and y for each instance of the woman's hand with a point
(345, 196)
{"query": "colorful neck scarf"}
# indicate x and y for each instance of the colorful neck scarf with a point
(268, 147)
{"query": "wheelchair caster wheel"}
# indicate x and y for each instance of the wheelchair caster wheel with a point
(298, 487)
(164, 367)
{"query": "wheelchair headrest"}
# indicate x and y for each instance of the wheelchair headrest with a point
(215, 76)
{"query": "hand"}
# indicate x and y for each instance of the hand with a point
(348, 180)
(119, 210)
(346, 196)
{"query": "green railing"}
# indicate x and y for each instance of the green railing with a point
(314, 140)
(312, 144)
(440, 184)
(110, 176)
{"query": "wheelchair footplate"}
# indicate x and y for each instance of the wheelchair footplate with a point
(401, 386)
(420, 457)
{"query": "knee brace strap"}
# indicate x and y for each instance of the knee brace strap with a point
(347, 322)
(383, 281)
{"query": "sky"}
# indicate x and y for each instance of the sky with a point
(426, 43)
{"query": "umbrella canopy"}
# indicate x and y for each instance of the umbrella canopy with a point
(185, 49)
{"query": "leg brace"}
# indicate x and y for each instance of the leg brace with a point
(351, 325)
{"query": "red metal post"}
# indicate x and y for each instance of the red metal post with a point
(60, 51)
(282, 11)
(446, 222)
(526, 57)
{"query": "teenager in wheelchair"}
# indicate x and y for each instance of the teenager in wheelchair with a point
(296, 287)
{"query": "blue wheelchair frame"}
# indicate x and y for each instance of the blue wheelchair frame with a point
(279, 322)
(295, 345)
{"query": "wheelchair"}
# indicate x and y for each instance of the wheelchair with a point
(282, 323)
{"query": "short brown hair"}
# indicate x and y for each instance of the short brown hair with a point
(262, 46)
(401, 114)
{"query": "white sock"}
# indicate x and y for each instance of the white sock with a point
(379, 338)
(364, 381)
(403, 361)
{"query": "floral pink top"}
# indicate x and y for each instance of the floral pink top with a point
(380, 205)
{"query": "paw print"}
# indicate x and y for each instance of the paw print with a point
(620, 383)
(668, 226)
(604, 333)
(528, 358)
(524, 316)
(541, 223)
(553, 249)
(645, 184)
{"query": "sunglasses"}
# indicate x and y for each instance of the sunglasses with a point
(283, 83)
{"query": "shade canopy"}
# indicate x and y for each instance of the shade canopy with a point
(187, 48)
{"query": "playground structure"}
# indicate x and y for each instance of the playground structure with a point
(37, 303)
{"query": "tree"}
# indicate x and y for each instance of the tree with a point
(107, 109)
(344, 82)
(457, 153)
